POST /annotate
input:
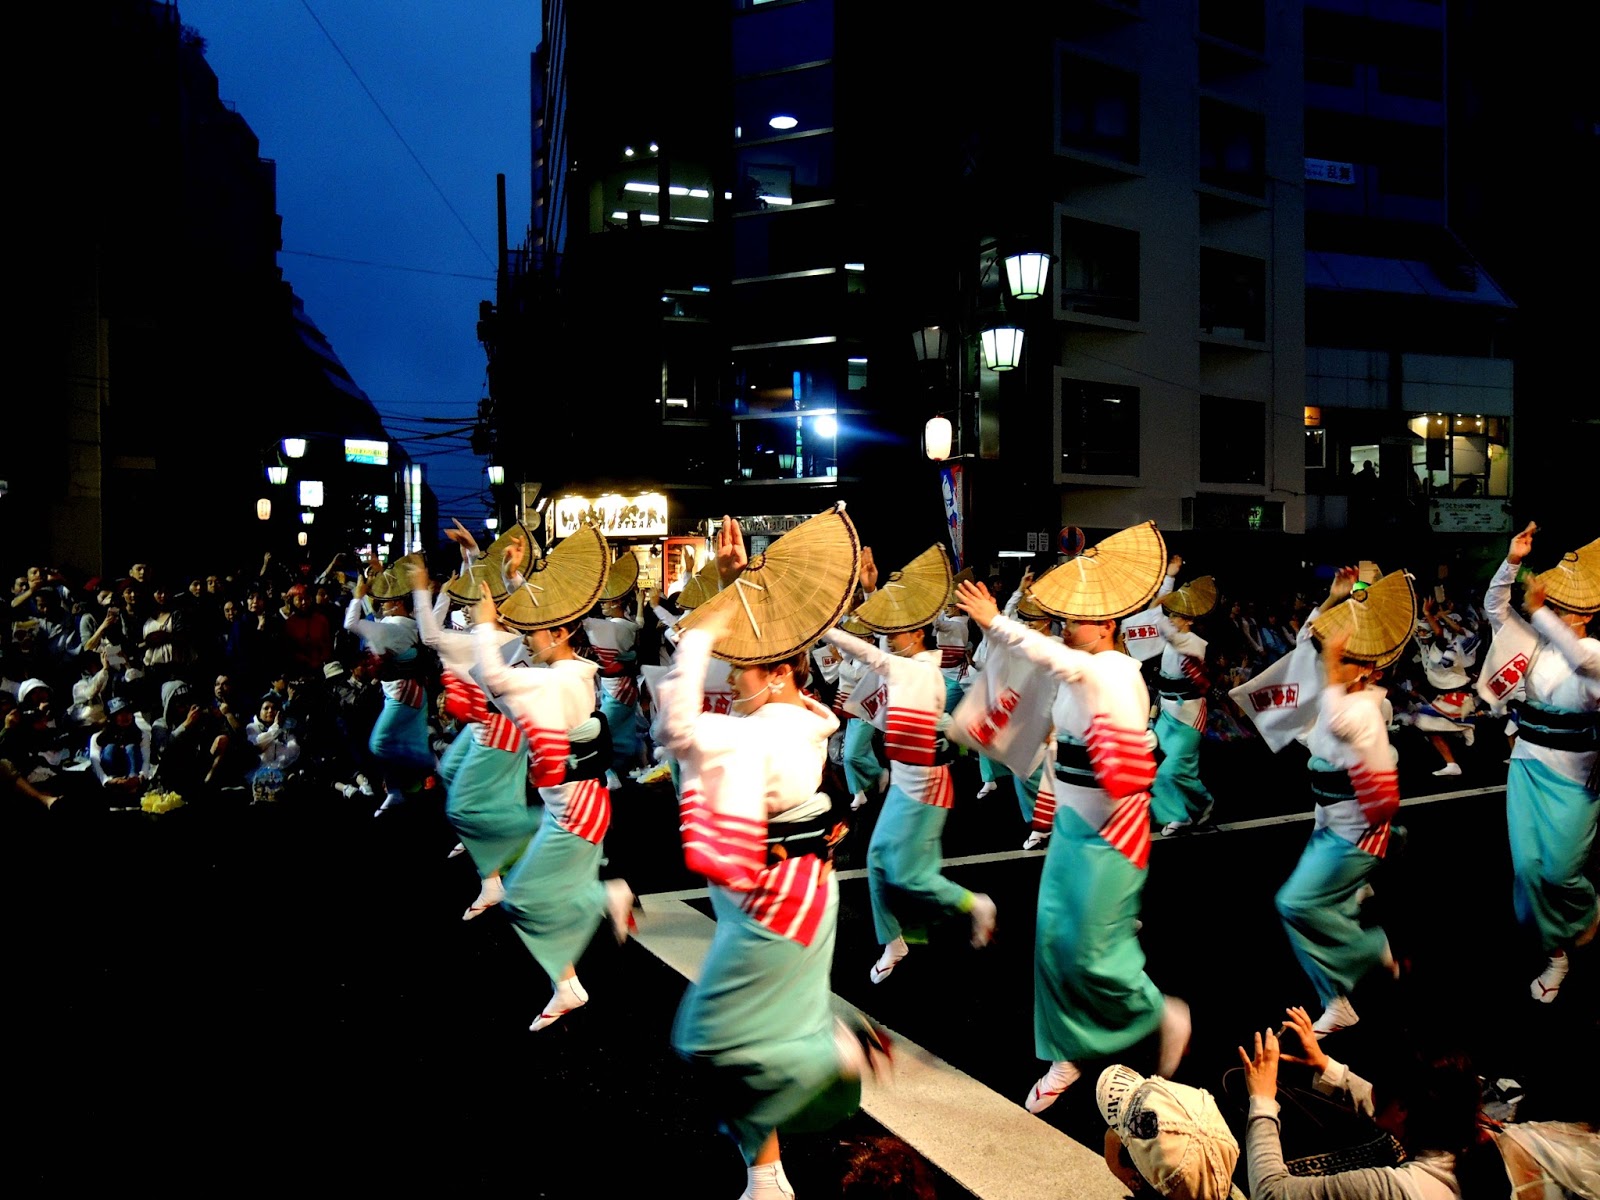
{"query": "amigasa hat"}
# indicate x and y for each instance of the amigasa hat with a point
(912, 597)
(1174, 1134)
(1380, 620)
(1114, 578)
(622, 576)
(784, 599)
(964, 575)
(1194, 599)
(467, 587)
(394, 581)
(1574, 582)
(562, 586)
(701, 586)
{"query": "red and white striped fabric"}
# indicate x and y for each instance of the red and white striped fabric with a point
(463, 699)
(1378, 793)
(791, 898)
(1194, 669)
(614, 675)
(727, 850)
(1199, 721)
(498, 732)
(410, 693)
(1044, 804)
(839, 697)
(909, 736)
(547, 755)
(587, 811)
(952, 656)
(1125, 767)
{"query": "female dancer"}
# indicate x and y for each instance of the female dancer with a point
(485, 770)
(862, 771)
(1355, 785)
(1092, 998)
(399, 739)
(1179, 800)
(554, 895)
(904, 855)
(759, 1019)
(1550, 788)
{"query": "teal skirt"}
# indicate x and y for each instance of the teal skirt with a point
(1091, 996)
(450, 760)
(626, 735)
(1177, 794)
(1321, 911)
(487, 805)
(1551, 820)
(759, 1024)
(992, 771)
(555, 899)
(400, 736)
(861, 766)
(903, 869)
(1028, 790)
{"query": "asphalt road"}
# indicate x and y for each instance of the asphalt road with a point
(243, 998)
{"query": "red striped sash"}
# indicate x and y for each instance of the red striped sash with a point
(1195, 669)
(1378, 793)
(952, 656)
(791, 898)
(547, 755)
(614, 671)
(1199, 721)
(411, 693)
(1044, 806)
(498, 732)
(728, 850)
(938, 791)
(1125, 767)
(909, 735)
(587, 813)
(463, 699)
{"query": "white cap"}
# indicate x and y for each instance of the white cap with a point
(1174, 1134)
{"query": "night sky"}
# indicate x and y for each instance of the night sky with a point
(454, 80)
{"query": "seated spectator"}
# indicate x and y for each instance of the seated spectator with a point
(120, 753)
(276, 747)
(196, 752)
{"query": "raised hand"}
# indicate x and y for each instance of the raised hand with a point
(1344, 582)
(1261, 1070)
(1533, 598)
(1522, 545)
(731, 556)
(718, 622)
(1174, 564)
(976, 602)
(485, 612)
(418, 577)
(462, 536)
(1300, 1023)
(869, 570)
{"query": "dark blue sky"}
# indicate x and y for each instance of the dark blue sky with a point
(453, 78)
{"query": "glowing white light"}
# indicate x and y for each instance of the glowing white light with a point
(627, 151)
(279, 475)
(307, 517)
(782, 121)
(1002, 348)
(936, 436)
(491, 522)
(826, 427)
(263, 509)
(1027, 274)
(654, 149)
(776, 199)
(497, 475)
(303, 537)
(294, 447)
(311, 493)
(860, 362)
(855, 266)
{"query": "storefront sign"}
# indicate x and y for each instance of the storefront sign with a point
(363, 450)
(1468, 516)
(643, 515)
(775, 526)
(1323, 171)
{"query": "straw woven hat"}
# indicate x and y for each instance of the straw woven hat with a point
(1194, 599)
(622, 577)
(1380, 620)
(1119, 576)
(912, 597)
(562, 586)
(964, 575)
(467, 587)
(853, 626)
(1574, 582)
(701, 587)
(786, 597)
(1027, 610)
(1368, 572)
(394, 581)
(515, 532)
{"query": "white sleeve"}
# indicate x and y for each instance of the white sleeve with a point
(680, 721)
(501, 679)
(1065, 663)
(1582, 654)
(883, 663)
(1191, 643)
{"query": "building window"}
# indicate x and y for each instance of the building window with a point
(784, 242)
(1233, 440)
(1099, 270)
(782, 310)
(786, 379)
(787, 103)
(1099, 428)
(1232, 148)
(1460, 455)
(785, 36)
(797, 447)
(1240, 22)
(1233, 296)
(784, 172)
(1099, 109)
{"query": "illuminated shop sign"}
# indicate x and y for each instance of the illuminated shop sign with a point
(359, 450)
(643, 515)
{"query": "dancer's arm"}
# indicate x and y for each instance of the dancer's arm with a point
(1065, 663)
(866, 653)
(1497, 598)
(1582, 654)
(680, 700)
(1189, 643)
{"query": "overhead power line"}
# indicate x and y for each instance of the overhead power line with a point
(487, 257)
(362, 262)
